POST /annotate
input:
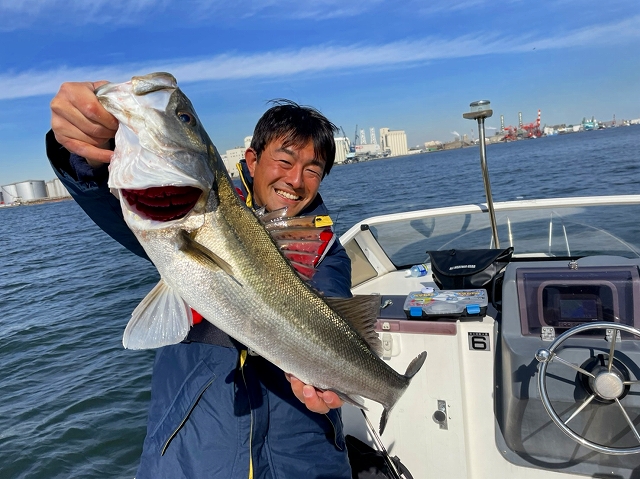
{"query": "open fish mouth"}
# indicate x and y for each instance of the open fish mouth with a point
(163, 203)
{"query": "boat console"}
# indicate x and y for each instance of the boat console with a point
(567, 326)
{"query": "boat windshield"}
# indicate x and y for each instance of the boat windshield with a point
(533, 228)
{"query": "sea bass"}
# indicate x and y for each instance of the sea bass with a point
(216, 256)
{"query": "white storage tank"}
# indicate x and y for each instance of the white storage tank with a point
(31, 190)
(9, 193)
(55, 189)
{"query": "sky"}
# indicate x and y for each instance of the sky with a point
(412, 65)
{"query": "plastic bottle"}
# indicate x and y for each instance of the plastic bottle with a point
(418, 270)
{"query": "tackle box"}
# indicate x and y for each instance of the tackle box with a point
(456, 303)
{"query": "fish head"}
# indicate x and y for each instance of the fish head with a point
(164, 164)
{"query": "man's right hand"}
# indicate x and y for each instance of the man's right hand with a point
(81, 124)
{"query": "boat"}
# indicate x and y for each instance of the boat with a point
(543, 382)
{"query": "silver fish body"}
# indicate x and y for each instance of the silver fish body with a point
(219, 259)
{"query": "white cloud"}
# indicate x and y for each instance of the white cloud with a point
(323, 58)
(18, 14)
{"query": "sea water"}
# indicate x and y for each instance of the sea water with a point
(73, 401)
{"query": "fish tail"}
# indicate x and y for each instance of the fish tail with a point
(412, 370)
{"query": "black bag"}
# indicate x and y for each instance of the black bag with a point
(469, 269)
(367, 463)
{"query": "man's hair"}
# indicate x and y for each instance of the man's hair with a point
(296, 125)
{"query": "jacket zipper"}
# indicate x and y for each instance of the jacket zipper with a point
(335, 433)
(186, 416)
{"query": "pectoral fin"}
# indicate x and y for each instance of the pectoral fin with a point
(356, 401)
(162, 318)
(205, 255)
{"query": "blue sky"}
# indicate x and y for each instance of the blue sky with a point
(405, 65)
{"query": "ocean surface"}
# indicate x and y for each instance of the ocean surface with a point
(73, 401)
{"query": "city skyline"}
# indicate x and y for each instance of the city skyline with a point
(379, 63)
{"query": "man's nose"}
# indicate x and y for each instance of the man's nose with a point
(295, 178)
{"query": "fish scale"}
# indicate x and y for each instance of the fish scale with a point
(221, 261)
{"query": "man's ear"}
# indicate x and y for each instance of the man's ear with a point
(251, 158)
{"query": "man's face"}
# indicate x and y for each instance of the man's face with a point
(285, 176)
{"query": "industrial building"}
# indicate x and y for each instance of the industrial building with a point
(55, 189)
(394, 142)
(343, 149)
(9, 193)
(32, 191)
(231, 158)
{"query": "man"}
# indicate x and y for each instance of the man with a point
(216, 411)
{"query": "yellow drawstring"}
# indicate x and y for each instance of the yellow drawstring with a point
(243, 359)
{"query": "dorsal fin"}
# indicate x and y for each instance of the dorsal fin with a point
(303, 240)
(361, 312)
(266, 217)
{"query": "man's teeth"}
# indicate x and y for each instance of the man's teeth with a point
(286, 195)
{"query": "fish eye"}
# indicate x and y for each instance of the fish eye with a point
(185, 117)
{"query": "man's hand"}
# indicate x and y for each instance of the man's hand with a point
(81, 124)
(315, 400)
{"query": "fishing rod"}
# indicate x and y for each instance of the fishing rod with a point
(391, 464)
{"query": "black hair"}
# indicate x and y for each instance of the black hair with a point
(296, 125)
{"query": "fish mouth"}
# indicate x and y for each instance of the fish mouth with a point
(163, 203)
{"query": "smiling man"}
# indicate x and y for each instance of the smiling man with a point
(216, 411)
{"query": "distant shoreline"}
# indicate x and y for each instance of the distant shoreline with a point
(36, 202)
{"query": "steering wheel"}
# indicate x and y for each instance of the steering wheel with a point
(606, 383)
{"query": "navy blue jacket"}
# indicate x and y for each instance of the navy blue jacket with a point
(208, 417)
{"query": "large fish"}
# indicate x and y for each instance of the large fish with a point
(215, 255)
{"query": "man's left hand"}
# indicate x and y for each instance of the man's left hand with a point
(315, 400)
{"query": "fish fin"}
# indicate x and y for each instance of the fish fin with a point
(356, 401)
(305, 271)
(383, 419)
(267, 217)
(412, 369)
(415, 365)
(193, 248)
(361, 312)
(304, 240)
(161, 318)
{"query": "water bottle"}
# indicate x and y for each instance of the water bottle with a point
(418, 270)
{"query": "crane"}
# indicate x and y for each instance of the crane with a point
(350, 152)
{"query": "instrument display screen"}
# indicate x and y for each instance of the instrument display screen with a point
(575, 303)
(578, 309)
(565, 298)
